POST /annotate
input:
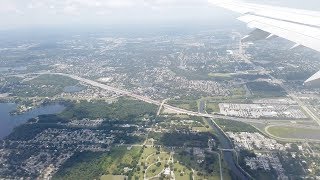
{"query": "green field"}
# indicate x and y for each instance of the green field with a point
(228, 99)
(240, 91)
(265, 89)
(185, 104)
(294, 132)
(181, 172)
(148, 163)
(212, 107)
(113, 177)
(90, 165)
(221, 76)
(235, 126)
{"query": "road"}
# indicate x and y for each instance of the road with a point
(160, 107)
(293, 96)
(302, 105)
(163, 104)
(151, 101)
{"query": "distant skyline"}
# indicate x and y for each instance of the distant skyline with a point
(40, 13)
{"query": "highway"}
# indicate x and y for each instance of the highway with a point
(151, 101)
(302, 105)
(167, 106)
(293, 96)
(163, 104)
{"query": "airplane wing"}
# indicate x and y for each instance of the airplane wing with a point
(299, 26)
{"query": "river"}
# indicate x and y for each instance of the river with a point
(8, 122)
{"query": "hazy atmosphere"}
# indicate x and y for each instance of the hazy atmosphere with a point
(39, 13)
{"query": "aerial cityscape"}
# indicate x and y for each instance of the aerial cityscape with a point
(176, 105)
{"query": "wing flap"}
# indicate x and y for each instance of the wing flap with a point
(305, 35)
(286, 14)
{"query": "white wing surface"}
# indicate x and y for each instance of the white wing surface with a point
(296, 25)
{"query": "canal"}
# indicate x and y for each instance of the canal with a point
(228, 156)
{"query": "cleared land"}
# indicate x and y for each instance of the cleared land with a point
(235, 126)
(113, 177)
(212, 107)
(294, 132)
(185, 104)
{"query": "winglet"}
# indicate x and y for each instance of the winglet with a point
(313, 80)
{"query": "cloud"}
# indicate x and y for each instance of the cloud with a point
(177, 3)
(7, 6)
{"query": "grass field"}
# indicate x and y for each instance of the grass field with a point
(212, 107)
(221, 76)
(148, 163)
(185, 104)
(240, 91)
(181, 172)
(163, 156)
(265, 89)
(294, 132)
(201, 129)
(90, 165)
(113, 177)
(228, 99)
(154, 170)
(235, 126)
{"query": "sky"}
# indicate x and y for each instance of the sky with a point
(40, 13)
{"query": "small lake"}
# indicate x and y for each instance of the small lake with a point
(8, 122)
(72, 89)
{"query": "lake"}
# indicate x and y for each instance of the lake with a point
(8, 122)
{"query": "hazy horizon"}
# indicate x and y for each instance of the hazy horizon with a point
(17, 14)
